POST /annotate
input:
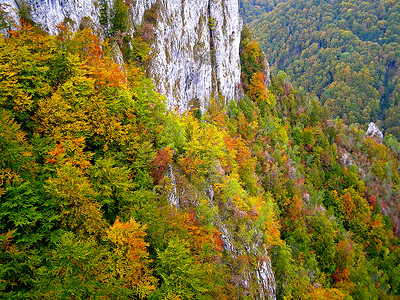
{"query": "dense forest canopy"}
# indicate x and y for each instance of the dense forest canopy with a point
(107, 194)
(251, 10)
(346, 53)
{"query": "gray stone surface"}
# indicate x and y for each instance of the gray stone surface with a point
(191, 60)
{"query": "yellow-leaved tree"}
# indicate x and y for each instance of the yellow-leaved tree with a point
(130, 259)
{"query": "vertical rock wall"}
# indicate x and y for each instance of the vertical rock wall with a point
(195, 54)
(226, 39)
(182, 55)
(196, 51)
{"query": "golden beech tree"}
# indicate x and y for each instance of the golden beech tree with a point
(205, 146)
(325, 294)
(72, 196)
(348, 205)
(204, 241)
(131, 259)
(69, 149)
(293, 214)
(257, 90)
(23, 62)
(269, 220)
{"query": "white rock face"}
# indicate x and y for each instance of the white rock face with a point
(266, 278)
(11, 8)
(226, 39)
(50, 13)
(138, 9)
(173, 198)
(374, 131)
(265, 275)
(191, 60)
(181, 64)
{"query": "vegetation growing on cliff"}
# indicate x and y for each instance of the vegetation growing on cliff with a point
(86, 153)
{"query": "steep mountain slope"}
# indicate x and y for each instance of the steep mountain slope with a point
(347, 53)
(194, 44)
(106, 194)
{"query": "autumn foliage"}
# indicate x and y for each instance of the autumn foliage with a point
(105, 194)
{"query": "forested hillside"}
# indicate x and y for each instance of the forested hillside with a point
(346, 53)
(105, 194)
(251, 10)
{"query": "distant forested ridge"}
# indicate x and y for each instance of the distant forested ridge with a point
(346, 53)
(251, 10)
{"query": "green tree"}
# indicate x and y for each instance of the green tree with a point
(75, 269)
(181, 276)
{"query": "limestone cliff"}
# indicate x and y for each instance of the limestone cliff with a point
(195, 54)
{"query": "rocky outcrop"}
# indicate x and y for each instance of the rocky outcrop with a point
(173, 197)
(266, 277)
(262, 273)
(374, 132)
(195, 54)
(257, 281)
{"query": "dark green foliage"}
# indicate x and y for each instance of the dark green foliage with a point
(104, 13)
(17, 268)
(251, 10)
(15, 154)
(113, 186)
(21, 212)
(181, 276)
(73, 270)
(120, 21)
(345, 53)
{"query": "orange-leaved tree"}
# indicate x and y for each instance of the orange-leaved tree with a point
(130, 259)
